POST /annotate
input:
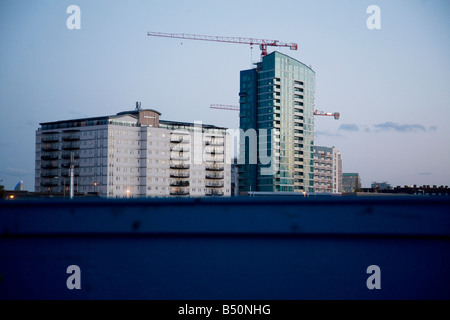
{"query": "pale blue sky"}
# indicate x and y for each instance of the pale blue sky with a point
(390, 85)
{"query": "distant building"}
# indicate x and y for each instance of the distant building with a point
(19, 186)
(327, 170)
(277, 97)
(380, 186)
(133, 154)
(234, 178)
(351, 182)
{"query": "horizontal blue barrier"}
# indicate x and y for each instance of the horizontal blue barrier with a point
(228, 249)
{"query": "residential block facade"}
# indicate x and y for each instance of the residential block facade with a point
(133, 154)
(277, 107)
(327, 170)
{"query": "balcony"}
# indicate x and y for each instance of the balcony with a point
(49, 165)
(183, 148)
(214, 157)
(49, 148)
(71, 137)
(214, 193)
(66, 183)
(67, 165)
(214, 167)
(214, 142)
(214, 184)
(49, 173)
(215, 175)
(179, 174)
(76, 173)
(50, 156)
(179, 183)
(213, 151)
(298, 85)
(49, 183)
(180, 156)
(50, 138)
(71, 146)
(179, 192)
(67, 155)
(179, 139)
(178, 165)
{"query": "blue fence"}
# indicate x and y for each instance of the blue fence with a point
(228, 249)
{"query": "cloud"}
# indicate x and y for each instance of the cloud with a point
(401, 127)
(349, 127)
(433, 129)
(424, 173)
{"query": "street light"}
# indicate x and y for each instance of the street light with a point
(128, 194)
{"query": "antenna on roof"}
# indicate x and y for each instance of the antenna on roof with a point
(138, 106)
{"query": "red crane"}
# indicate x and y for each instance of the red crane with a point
(336, 115)
(263, 43)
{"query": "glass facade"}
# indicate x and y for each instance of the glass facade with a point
(277, 101)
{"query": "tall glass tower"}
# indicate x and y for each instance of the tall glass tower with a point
(277, 123)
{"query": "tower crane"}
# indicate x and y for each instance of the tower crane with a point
(263, 43)
(336, 115)
(225, 107)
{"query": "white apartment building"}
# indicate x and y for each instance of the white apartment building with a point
(133, 154)
(327, 170)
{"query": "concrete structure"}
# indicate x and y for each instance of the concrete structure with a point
(351, 182)
(380, 185)
(277, 119)
(243, 248)
(327, 170)
(133, 154)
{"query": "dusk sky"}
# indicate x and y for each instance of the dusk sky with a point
(391, 86)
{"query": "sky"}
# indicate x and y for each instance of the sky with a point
(390, 85)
